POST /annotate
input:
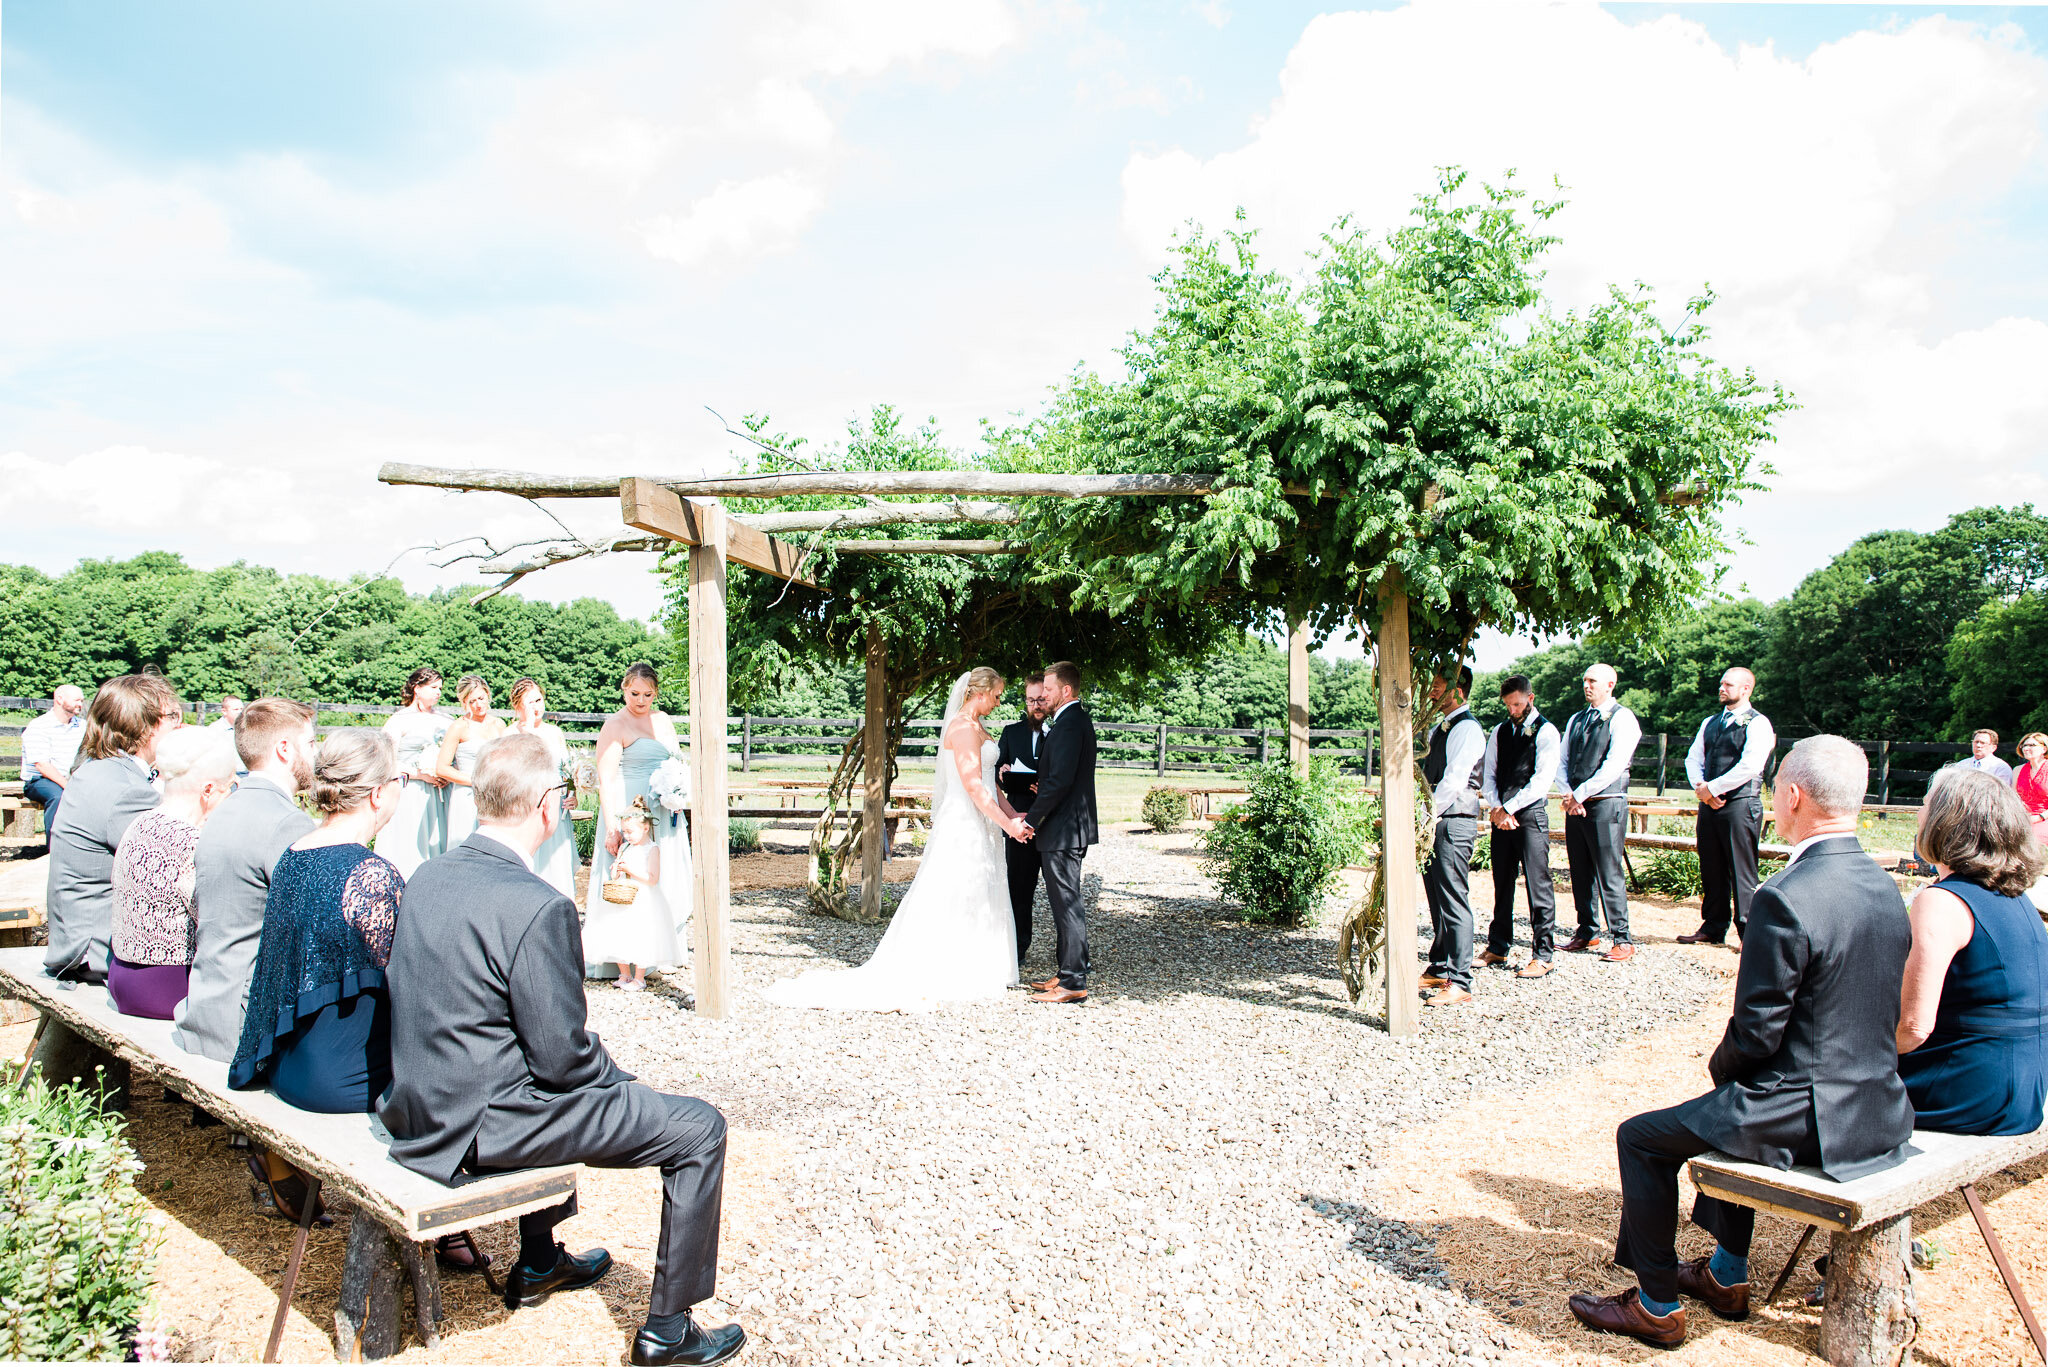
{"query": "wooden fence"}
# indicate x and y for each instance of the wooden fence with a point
(1898, 769)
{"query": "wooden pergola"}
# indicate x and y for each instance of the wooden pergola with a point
(674, 512)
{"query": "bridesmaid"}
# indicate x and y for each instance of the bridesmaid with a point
(466, 735)
(418, 830)
(635, 741)
(556, 859)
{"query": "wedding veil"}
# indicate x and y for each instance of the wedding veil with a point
(956, 699)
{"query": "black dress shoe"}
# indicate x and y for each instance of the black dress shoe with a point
(698, 1346)
(525, 1287)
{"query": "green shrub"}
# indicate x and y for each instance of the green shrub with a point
(1166, 809)
(77, 1246)
(1675, 874)
(586, 838)
(743, 835)
(1277, 852)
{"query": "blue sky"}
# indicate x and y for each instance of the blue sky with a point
(248, 252)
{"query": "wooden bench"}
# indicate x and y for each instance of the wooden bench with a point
(1870, 1315)
(18, 817)
(398, 1212)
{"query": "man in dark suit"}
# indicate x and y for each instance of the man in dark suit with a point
(494, 1065)
(1807, 1071)
(1017, 772)
(1061, 824)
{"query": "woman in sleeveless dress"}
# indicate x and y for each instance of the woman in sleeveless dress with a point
(418, 830)
(1973, 1050)
(467, 735)
(635, 741)
(953, 937)
(556, 859)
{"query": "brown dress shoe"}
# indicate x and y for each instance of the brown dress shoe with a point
(1698, 937)
(1624, 1314)
(1535, 968)
(1489, 958)
(1729, 1302)
(1620, 954)
(1450, 996)
(1048, 985)
(1585, 944)
(1058, 994)
(1430, 983)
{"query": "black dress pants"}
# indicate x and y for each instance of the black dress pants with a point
(1062, 868)
(1728, 838)
(1021, 859)
(1592, 846)
(633, 1126)
(1448, 885)
(1524, 850)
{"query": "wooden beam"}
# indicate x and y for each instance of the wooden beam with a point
(653, 508)
(930, 547)
(886, 515)
(1297, 695)
(875, 769)
(1397, 804)
(710, 921)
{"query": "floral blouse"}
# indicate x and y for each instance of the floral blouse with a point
(153, 878)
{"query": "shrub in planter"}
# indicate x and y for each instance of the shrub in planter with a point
(1166, 809)
(77, 1245)
(1277, 853)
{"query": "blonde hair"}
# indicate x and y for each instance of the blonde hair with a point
(350, 766)
(468, 682)
(640, 812)
(2033, 738)
(511, 774)
(1978, 829)
(521, 687)
(191, 757)
(981, 679)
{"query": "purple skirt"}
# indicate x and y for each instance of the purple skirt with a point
(152, 990)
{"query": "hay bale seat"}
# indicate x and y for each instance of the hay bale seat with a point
(1871, 1315)
(398, 1212)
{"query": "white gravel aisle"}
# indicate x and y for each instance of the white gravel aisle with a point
(1178, 1171)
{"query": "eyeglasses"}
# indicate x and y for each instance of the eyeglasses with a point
(562, 788)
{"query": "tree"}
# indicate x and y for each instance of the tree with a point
(1995, 660)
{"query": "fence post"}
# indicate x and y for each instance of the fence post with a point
(1370, 737)
(746, 742)
(1162, 749)
(1262, 746)
(1884, 773)
(1663, 754)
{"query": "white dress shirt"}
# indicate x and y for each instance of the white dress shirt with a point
(1464, 747)
(1538, 786)
(1803, 846)
(1756, 750)
(1990, 764)
(1624, 733)
(51, 740)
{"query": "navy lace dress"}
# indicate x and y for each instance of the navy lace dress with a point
(318, 1027)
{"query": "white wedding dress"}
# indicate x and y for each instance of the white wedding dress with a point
(953, 937)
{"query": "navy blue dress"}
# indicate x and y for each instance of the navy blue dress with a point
(1984, 1069)
(318, 1027)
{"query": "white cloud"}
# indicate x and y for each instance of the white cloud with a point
(1822, 199)
(133, 489)
(839, 39)
(738, 219)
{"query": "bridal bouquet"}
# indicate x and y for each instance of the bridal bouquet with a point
(670, 785)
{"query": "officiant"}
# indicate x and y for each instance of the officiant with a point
(1017, 773)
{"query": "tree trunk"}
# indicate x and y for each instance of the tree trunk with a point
(1397, 806)
(1297, 695)
(1872, 1315)
(875, 763)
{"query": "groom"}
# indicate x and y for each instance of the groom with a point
(1061, 823)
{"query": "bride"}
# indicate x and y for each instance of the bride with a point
(953, 937)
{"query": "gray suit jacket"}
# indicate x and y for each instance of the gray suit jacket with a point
(238, 847)
(102, 800)
(489, 1029)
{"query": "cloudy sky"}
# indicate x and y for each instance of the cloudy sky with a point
(248, 252)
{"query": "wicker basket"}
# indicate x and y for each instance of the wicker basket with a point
(621, 891)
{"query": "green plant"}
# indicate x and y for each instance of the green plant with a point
(743, 835)
(1279, 850)
(1165, 809)
(77, 1247)
(1676, 873)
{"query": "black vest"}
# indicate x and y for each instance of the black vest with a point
(1724, 749)
(1588, 735)
(1514, 754)
(1440, 753)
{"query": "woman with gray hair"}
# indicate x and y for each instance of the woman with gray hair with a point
(154, 927)
(1973, 1051)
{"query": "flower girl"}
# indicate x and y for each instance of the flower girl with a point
(631, 924)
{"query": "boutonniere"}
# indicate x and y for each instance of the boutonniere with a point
(1528, 726)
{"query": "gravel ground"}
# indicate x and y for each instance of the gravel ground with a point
(1178, 1171)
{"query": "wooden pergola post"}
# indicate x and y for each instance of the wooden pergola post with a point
(875, 769)
(1397, 805)
(1297, 694)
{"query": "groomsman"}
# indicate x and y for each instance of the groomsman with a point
(1457, 744)
(1726, 769)
(1598, 744)
(1017, 773)
(1520, 766)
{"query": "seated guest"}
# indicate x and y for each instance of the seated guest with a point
(153, 875)
(49, 746)
(109, 788)
(317, 1030)
(1983, 757)
(496, 1067)
(1806, 1072)
(1972, 1050)
(231, 709)
(237, 851)
(2030, 781)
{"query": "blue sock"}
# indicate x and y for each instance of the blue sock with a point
(1657, 1308)
(1728, 1269)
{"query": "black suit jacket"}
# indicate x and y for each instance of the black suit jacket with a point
(1012, 746)
(1063, 814)
(1810, 1052)
(488, 1020)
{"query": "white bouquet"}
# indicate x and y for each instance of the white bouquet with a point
(670, 785)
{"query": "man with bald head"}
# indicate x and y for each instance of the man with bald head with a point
(49, 746)
(1592, 773)
(1726, 767)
